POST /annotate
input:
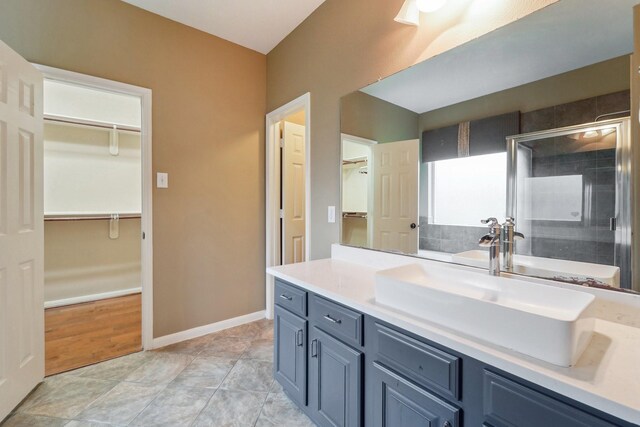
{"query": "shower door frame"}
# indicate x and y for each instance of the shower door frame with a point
(624, 193)
(146, 220)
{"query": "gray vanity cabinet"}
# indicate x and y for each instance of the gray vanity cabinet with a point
(290, 353)
(335, 381)
(318, 357)
(346, 369)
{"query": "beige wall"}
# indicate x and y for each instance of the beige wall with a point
(598, 79)
(345, 45)
(208, 130)
(369, 117)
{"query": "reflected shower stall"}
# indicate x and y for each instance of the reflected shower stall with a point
(569, 191)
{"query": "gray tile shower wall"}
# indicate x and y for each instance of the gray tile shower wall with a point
(589, 240)
(575, 113)
(449, 238)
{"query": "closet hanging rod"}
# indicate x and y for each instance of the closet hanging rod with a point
(92, 123)
(353, 162)
(89, 217)
(355, 215)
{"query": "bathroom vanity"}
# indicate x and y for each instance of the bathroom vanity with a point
(347, 359)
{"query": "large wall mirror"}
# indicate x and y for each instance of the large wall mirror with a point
(528, 124)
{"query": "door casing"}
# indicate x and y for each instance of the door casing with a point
(272, 174)
(147, 179)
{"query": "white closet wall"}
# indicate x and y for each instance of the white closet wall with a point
(82, 177)
(83, 103)
(85, 175)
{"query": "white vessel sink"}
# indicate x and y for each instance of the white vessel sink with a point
(546, 267)
(541, 321)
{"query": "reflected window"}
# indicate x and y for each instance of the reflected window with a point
(465, 190)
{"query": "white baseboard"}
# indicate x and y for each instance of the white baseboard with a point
(207, 329)
(92, 297)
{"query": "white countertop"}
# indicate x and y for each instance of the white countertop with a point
(606, 377)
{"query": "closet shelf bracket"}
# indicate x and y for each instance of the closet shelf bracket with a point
(114, 227)
(114, 148)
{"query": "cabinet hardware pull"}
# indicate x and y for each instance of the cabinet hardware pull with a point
(447, 424)
(314, 348)
(331, 319)
(300, 338)
(284, 296)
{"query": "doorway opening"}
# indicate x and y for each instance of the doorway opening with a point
(357, 191)
(287, 187)
(97, 211)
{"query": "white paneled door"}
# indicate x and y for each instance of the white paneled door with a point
(21, 230)
(394, 219)
(293, 197)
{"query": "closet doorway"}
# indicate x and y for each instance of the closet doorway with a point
(97, 206)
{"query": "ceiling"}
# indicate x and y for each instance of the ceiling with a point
(564, 36)
(257, 24)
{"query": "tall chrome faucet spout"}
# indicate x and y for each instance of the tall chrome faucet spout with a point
(509, 236)
(492, 241)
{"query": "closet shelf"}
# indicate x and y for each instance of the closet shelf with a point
(71, 121)
(89, 217)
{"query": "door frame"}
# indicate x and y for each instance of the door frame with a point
(146, 220)
(272, 175)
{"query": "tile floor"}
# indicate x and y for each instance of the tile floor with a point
(221, 379)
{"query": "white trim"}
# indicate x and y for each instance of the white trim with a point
(91, 298)
(147, 179)
(356, 139)
(207, 329)
(272, 171)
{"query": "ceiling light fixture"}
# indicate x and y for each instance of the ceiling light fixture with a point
(410, 12)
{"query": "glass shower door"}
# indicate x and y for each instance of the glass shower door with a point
(568, 190)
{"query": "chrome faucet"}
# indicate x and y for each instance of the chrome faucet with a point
(509, 236)
(491, 240)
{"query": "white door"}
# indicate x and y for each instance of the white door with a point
(21, 230)
(293, 197)
(394, 219)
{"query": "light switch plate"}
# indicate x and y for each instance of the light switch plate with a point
(331, 214)
(162, 180)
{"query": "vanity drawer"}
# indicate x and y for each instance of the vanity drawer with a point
(337, 320)
(423, 364)
(292, 298)
(508, 404)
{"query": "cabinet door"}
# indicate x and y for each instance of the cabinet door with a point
(290, 354)
(335, 381)
(400, 403)
(508, 403)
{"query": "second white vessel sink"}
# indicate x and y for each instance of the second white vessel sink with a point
(546, 267)
(544, 322)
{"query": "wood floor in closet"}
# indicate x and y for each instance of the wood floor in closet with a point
(82, 334)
